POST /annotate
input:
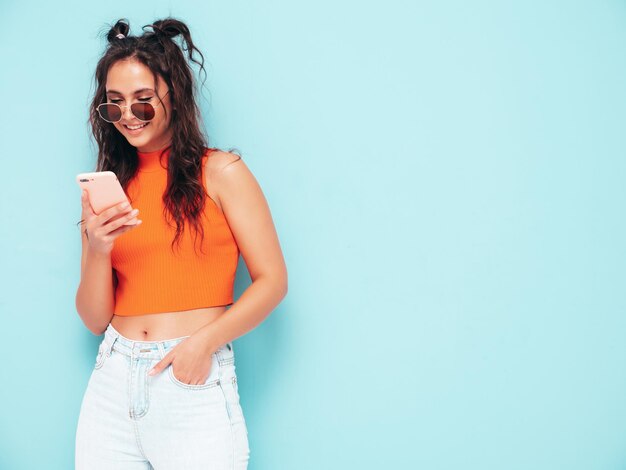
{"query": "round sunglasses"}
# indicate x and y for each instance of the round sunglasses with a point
(112, 112)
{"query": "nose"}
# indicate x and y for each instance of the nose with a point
(127, 114)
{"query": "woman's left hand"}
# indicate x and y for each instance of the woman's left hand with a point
(191, 361)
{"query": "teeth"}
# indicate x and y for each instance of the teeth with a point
(136, 127)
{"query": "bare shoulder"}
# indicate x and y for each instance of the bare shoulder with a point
(216, 162)
(232, 184)
(218, 159)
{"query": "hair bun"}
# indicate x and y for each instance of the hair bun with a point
(118, 31)
(168, 28)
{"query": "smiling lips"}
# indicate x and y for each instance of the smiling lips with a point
(134, 128)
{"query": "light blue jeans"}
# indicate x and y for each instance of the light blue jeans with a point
(132, 421)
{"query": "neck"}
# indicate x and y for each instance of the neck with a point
(154, 160)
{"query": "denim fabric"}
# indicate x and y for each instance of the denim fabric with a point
(129, 420)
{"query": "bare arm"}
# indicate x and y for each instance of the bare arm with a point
(95, 295)
(251, 222)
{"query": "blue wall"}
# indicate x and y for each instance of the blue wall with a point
(447, 180)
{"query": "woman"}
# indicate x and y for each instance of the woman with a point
(157, 276)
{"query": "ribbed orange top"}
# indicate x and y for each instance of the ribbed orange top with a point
(154, 279)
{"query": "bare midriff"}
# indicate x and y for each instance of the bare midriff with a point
(166, 325)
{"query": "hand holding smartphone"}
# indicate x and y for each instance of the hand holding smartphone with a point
(104, 191)
(103, 212)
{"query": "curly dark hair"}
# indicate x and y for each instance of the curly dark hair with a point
(185, 196)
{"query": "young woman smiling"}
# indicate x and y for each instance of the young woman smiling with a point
(159, 289)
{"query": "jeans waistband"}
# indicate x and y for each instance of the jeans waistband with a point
(114, 340)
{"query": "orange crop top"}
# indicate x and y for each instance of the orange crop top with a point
(153, 278)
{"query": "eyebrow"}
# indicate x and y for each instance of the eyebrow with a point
(135, 93)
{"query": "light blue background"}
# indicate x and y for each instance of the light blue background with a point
(447, 179)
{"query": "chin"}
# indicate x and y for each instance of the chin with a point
(137, 140)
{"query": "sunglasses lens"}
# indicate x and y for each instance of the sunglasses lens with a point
(143, 111)
(110, 112)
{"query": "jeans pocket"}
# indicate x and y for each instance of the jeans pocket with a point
(211, 381)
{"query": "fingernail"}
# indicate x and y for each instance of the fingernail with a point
(152, 372)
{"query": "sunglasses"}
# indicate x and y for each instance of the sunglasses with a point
(112, 112)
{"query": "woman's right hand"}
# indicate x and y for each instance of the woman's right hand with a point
(104, 228)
